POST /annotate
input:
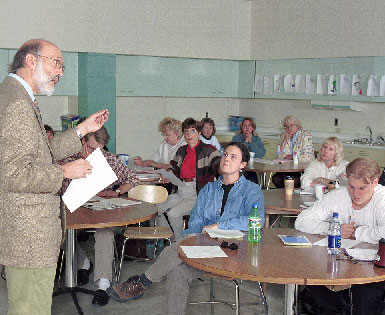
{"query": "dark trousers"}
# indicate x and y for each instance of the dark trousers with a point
(279, 179)
(366, 299)
(251, 176)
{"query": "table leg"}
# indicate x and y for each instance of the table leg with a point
(71, 272)
(291, 291)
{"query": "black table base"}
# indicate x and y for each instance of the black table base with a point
(73, 292)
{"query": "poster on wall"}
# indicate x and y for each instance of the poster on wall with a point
(356, 85)
(372, 86)
(321, 84)
(309, 84)
(345, 85)
(267, 85)
(299, 84)
(277, 83)
(289, 83)
(258, 83)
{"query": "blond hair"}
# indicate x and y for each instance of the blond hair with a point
(252, 123)
(171, 124)
(339, 150)
(363, 168)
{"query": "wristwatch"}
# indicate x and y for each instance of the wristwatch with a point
(118, 192)
(79, 133)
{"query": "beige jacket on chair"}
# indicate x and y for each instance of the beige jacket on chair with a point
(30, 227)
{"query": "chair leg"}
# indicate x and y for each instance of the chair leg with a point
(237, 310)
(263, 297)
(116, 261)
(121, 260)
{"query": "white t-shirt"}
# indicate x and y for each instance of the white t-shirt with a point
(370, 220)
(318, 169)
(166, 152)
(213, 141)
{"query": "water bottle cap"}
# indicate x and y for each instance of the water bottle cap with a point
(255, 205)
(335, 214)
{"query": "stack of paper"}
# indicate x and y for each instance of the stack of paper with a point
(232, 234)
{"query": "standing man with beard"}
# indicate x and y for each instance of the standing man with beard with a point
(30, 228)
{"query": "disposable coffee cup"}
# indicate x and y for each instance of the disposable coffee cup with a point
(289, 186)
(319, 191)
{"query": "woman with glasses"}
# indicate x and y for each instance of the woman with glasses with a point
(195, 164)
(295, 140)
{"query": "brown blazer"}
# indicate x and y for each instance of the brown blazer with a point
(30, 228)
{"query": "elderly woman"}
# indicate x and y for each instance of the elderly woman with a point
(171, 130)
(295, 139)
(329, 165)
(195, 164)
(208, 132)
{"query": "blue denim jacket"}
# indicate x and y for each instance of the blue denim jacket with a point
(208, 206)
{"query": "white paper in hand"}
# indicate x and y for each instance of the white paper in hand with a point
(82, 189)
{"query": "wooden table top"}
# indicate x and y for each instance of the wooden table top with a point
(83, 218)
(275, 199)
(255, 166)
(272, 262)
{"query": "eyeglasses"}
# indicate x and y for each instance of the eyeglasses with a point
(233, 157)
(233, 246)
(191, 132)
(90, 149)
(288, 126)
(58, 63)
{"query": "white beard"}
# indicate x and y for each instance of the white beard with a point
(43, 81)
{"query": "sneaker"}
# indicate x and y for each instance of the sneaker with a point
(132, 289)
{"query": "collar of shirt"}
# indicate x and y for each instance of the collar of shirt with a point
(25, 84)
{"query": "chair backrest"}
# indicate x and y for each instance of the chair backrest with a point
(149, 193)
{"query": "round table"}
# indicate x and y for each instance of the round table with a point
(276, 202)
(272, 167)
(272, 262)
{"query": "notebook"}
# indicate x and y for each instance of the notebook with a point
(295, 240)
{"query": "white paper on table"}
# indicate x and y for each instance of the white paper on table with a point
(356, 85)
(299, 84)
(345, 242)
(363, 254)
(382, 86)
(267, 85)
(277, 83)
(203, 251)
(372, 86)
(81, 190)
(332, 85)
(110, 204)
(263, 161)
(258, 83)
(233, 234)
(310, 86)
(321, 84)
(171, 177)
(344, 85)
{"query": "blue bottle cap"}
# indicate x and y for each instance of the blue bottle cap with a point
(255, 205)
(335, 214)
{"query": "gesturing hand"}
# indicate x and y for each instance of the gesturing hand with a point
(94, 122)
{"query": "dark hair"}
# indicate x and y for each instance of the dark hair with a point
(48, 128)
(31, 47)
(209, 121)
(191, 123)
(243, 148)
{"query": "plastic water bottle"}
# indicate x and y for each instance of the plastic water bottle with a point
(254, 225)
(295, 157)
(334, 236)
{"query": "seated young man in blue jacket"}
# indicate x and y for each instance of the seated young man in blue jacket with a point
(223, 204)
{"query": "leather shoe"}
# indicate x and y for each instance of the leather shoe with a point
(84, 275)
(100, 298)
